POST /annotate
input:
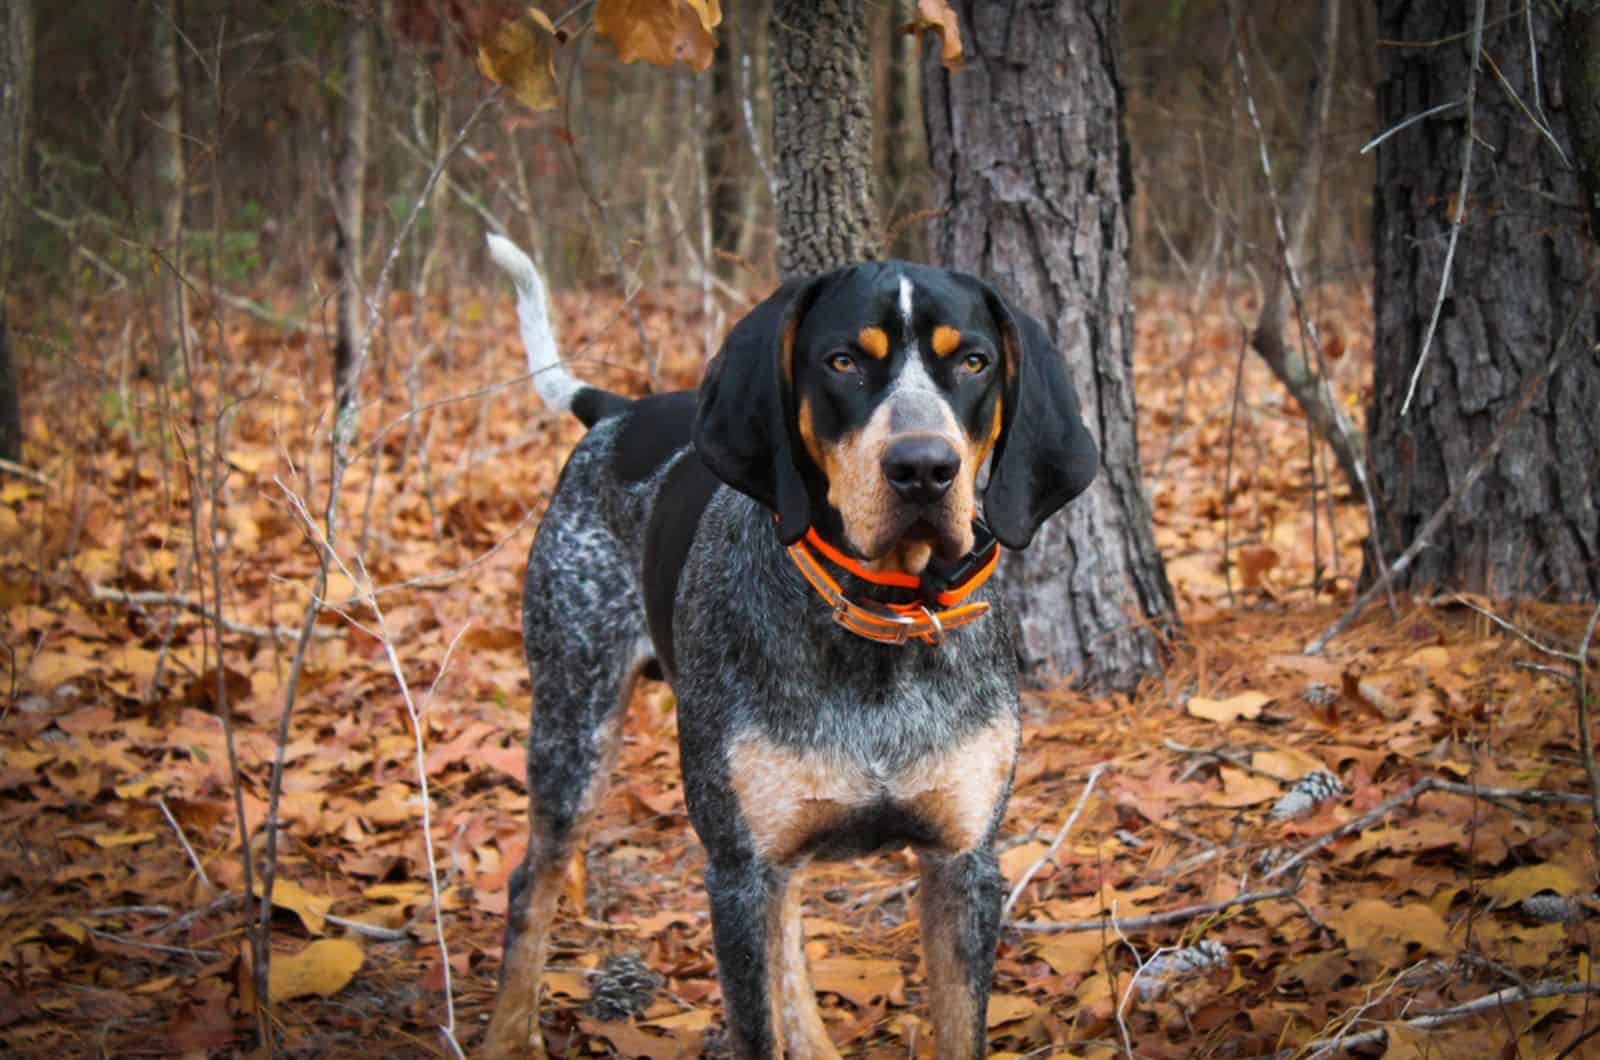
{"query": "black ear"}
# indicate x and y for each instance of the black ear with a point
(743, 426)
(1044, 456)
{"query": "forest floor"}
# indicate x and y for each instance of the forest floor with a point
(121, 923)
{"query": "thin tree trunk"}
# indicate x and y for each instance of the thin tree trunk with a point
(722, 158)
(350, 192)
(16, 105)
(822, 136)
(1295, 366)
(170, 172)
(1530, 525)
(1032, 181)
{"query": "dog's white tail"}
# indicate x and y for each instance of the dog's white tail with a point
(555, 384)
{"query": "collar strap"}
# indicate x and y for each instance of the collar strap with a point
(901, 607)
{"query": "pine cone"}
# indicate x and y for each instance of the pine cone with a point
(623, 987)
(1309, 792)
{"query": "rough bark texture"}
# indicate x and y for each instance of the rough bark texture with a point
(1581, 79)
(721, 145)
(16, 97)
(822, 136)
(351, 203)
(1031, 175)
(1530, 525)
(169, 172)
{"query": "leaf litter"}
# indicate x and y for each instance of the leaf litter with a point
(121, 918)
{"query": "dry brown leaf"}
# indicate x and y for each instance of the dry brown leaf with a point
(1243, 705)
(859, 980)
(520, 56)
(1528, 881)
(322, 968)
(936, 16)
(661, 32)
(1384, 931)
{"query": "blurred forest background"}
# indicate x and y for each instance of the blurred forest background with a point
(275, 464)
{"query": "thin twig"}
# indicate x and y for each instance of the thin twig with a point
(200, 870)
(1426, 784)
(11, 467)
(1155, 920)
(156, 947)
(1408, 122)
(140, 599)
(1468, 138)
(343, 433)
(1512, 995)
(1055, 844)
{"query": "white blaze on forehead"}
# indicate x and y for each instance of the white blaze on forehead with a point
(905, 307)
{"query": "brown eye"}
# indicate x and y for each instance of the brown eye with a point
(975, 362)
(841, 362)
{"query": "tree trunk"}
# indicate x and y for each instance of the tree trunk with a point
(170, 173)
(1516, 292)
(350, 205)
(822, 136)
(16, 99)
(722, 142)
(1032, 181)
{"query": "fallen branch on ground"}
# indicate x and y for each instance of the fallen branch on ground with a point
(138, 600)
(1154, 920)
(1421, 787)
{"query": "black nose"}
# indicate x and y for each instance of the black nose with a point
(920, 467)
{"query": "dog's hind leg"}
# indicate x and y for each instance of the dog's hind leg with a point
(583, 673)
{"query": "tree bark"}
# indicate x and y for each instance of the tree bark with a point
(822, 136)
(1530, 525)
(169, 173)
(350, 205)
(722, 142)
(16, 105)
(1032, 181)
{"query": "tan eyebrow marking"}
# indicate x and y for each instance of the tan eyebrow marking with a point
(875, 341)
(945, 340)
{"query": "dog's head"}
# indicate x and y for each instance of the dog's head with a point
(866, 402)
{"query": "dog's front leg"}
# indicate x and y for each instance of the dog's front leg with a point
(766, 990)
(960, 929)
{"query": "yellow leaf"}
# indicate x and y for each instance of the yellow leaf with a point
(324, 967)
(1382, 931)
(858, 980)
(935, 16)
(122, 839)
(1286, 762)
(49, 670)
(310, 908)
(660, 32)
(1243, 705)
(1430, 658)
(1072, 954)
(153, 986)
(696, 1019)
(1240, 788)
(1007, 1008)
(521, 57)
(1528, 881)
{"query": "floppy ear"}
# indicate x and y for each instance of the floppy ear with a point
(743, 424)
(1044, 456)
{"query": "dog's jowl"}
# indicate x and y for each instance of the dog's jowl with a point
(801, 547)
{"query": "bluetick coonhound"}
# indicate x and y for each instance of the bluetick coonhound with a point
(797, 548)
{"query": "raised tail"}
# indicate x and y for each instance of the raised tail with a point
(559, 388)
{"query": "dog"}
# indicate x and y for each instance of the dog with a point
(798, 549)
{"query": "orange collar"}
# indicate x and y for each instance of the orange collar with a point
(897, 621)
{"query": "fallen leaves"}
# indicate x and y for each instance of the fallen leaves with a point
(102, 910)
(323, 968)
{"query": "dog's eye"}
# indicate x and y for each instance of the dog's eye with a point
(841, 362)
(975, 362)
